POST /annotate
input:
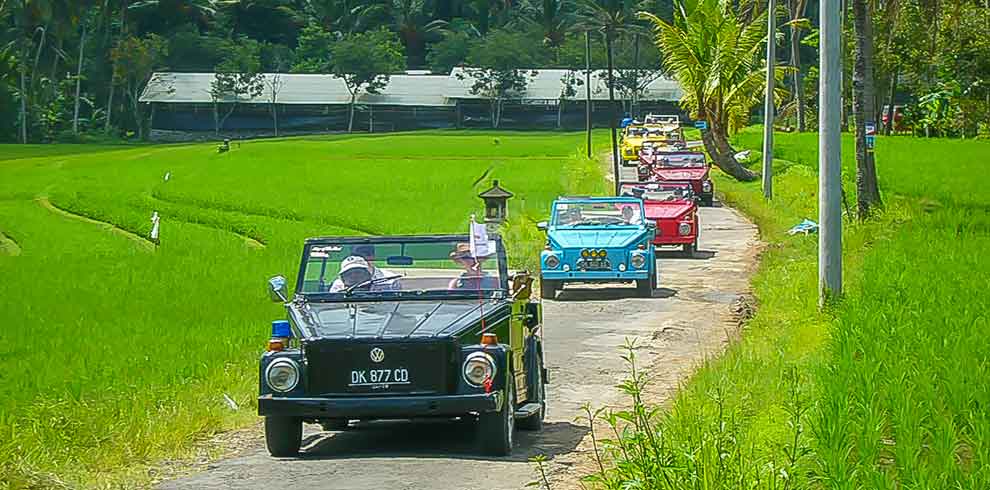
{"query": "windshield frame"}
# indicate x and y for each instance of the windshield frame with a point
(618, 199)
(372, 296)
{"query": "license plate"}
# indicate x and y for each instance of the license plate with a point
(596, 264)
(379, 377)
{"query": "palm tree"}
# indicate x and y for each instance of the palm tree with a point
(409, 19)
(864, 101)
(611, 18)
(554, 18)
(714, 57)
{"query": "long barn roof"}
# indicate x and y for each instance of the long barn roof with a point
(402, 90)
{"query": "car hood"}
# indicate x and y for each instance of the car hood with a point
(393, 319)
(667, 209)
(600, 237)
(681, 173)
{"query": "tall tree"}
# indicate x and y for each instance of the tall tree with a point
(364, 62)
(238, 77)
(796, 9)
(135, 59)
(864, 109)
(611, 18)
(714, 57)
(500, 67)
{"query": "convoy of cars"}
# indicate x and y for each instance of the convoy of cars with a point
(403, 327)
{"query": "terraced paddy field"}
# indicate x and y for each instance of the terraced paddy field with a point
(117, 352)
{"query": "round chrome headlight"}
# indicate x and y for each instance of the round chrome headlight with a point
(282, 375)
(478, 367)
(706, 186)
(684, 228)
(552, 261)
(638, 261)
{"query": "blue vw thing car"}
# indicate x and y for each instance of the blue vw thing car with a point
(595, 240)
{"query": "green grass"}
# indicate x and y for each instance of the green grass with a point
(115, 354)
(885, 390)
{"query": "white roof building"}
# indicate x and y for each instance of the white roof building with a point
(424, 90)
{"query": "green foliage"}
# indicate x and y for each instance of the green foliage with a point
(451, 51)
(313, 53)
(147, 341)
(500, 66)
(365, 60)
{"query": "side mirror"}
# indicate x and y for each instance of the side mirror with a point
(277, 289)
(542, 226)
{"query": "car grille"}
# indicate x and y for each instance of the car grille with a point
(344, 367)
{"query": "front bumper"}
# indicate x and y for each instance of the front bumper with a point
(596, 276)
(675, 240)
(379, 406)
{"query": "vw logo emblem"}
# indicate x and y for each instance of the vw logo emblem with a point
(377, 355)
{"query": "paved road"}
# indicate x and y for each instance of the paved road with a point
(687, 319)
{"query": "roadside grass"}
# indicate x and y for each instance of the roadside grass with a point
(887, 388)
(117, 354)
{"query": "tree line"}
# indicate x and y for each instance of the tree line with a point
(72, 69)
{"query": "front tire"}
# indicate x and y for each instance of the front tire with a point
(549, 288)
(644, 287)
(535, 422)
(283, 436)
(497, 429)
(689, 248)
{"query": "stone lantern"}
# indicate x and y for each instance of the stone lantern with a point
(495, 205)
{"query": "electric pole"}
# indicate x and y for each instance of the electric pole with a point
(587, 88)
(768, 110)
(830, 154)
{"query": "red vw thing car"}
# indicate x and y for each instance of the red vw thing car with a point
(673, 207)
(679, 166)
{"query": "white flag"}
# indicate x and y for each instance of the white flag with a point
(480, 245)
(154, 227)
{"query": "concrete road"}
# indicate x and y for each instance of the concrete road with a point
(689, 318)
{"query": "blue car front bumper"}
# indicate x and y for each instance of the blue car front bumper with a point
(595, 276)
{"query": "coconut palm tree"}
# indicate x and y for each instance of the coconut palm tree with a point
(611, 18)
(715, 57)
(554, 18)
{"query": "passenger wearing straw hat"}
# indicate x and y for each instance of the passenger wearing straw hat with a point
(472, 277)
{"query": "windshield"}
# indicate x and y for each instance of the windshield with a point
(579, 214)
(392, 267)
(694, 160)
(654, 192)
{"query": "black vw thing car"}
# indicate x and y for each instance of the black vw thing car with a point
(403, 327)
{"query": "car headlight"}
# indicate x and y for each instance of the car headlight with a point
(684, 228)
(551, 261)
(478, 367)
(567, 268)
(706, 186)
(282, 375)
(638, 261)
(622, 267)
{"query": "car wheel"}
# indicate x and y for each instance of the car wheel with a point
(644, 287)
(708, 201)
(689, 248)
(548, 288)
(283, 436)
(535, 421)
(496, 429)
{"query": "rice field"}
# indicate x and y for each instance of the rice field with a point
(117, 352)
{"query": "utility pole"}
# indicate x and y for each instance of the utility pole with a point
(768, 110)
(587, 87)
(829, 154)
